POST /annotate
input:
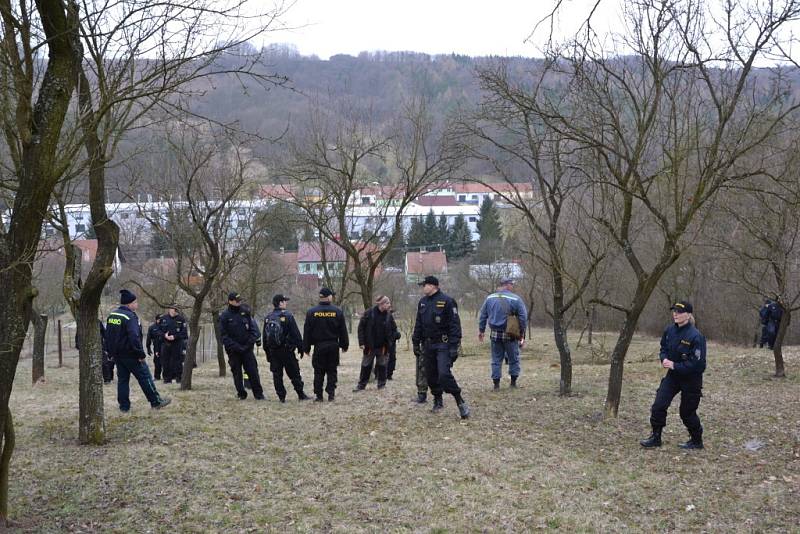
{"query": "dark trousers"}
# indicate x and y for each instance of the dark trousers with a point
(392, 361)
(325, 361)
(108, 368)
(138, 368)
(281, 360)
(380, 358)
(691, 390)
(157, 364)
(172, 360)
(438, 369)
(238, 360)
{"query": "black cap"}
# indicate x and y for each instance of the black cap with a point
(682, 306)
(325, 292)
(277, 299)
(126, 296)
(233, 295)
(432, 280)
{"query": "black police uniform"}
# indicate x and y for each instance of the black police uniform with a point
(771, 314)
(124, 343)
(172, 351)
(326, 330)
(239, 333)
(154, 346)
(438, 331)
(685, 346)
(283, 357)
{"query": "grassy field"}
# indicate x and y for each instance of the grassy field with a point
(374, 461)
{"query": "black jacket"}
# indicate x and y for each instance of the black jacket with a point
(124, 334)
(174, 326)
(325, 325)
(238, 329)
(291, 332)
(153, 339)
(376, 329)
(685, 346)
(437, 320)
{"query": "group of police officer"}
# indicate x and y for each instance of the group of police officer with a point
(436, 340)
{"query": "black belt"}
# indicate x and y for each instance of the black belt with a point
(440, 339)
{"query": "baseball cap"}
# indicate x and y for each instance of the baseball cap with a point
(325, 292)
(233, 295)
(682, 306)
(430, 280)
(277, 299)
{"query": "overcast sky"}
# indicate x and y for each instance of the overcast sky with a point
(470, 27)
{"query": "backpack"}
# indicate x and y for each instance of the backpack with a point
(513, 330)
(274, 336)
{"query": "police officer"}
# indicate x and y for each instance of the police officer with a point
(437, 336)
(326, 330)
(239, 334)
(771, 313)
(153, 345)
(174, 334)
(124, 344)
(280, 351)
(683, 352)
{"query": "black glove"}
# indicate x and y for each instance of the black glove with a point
(418, 350)
(454, 350)
(397, 336)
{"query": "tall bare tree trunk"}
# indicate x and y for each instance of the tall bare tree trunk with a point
(194, 335)
(220, 349)
(9, 441)
(39, 332)
(777, 348)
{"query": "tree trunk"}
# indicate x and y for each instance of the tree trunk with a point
(777, 348)
(614, 394)
(590, 325)
(91, 425)
(565, 355)
(7, 442)
(39, 139)
(220, 349)
(191, 348)
(39, 332)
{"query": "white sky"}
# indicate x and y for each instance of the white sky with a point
(470, 27)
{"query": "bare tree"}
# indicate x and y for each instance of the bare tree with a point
(198, 222)
(761, 242)
(33, 105)
(333, 162)
(511, 137)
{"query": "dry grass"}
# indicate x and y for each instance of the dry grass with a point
(374, 461)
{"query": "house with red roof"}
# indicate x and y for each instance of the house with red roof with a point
(418, 265)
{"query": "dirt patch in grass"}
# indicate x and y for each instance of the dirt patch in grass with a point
(374, 461)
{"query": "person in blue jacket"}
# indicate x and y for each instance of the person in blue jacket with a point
(683, 353)
(124, 343)
(494, 312)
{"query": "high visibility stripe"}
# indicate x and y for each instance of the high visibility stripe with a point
(501, 296)
(120, 315)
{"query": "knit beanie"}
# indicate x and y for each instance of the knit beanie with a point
(126, 297)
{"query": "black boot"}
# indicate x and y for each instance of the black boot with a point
(331, 397)
(438, 404)
(513, 381)
(496, 384)
(463, 410)
(302, 396)
(422, 398)
(318, 398)
(653, 441)
(363, 379)
(696, 442)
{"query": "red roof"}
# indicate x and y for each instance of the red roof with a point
(436, 200)
(276, 191)
(426, 262)
(309, 251)
(471, 187)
